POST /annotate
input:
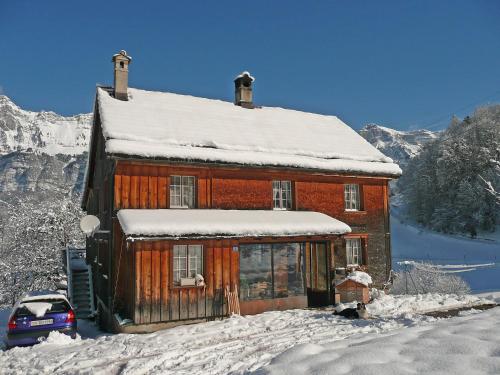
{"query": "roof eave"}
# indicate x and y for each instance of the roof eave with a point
(198, 162)
(138, 237)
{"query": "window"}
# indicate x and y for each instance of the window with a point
(188, 262)
(288, 273)
(182, 192)
(353, 249)
(282, 195)
(256, 280)
(351, 197)
(271, 271)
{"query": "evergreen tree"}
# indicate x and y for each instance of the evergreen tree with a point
(451, 185)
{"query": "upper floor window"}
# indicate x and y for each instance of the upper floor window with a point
(282, 195)
(351, 197)
(353, 250)
(182, 192)
(188, 262)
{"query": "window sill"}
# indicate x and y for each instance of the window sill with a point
(355, 211)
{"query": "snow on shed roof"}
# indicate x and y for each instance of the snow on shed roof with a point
(227, 223)
(359, 277)
(166, 125)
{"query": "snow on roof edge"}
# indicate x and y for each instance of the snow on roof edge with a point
(251, 158)
(213, 223)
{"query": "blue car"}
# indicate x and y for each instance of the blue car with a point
(36, 315)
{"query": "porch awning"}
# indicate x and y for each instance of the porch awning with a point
(203, 223)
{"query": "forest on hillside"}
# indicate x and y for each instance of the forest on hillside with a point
(452, 185)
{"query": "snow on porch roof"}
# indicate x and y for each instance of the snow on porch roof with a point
(227, 223)
(172, 126)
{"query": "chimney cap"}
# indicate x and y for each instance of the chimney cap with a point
(122, 54)
(244, 74)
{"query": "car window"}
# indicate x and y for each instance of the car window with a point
(58, 306)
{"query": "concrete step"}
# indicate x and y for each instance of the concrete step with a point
(80, 279)
(80, 274)
(80, 286)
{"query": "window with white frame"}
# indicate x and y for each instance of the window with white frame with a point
(188, 262)
(354, 251)
(351, 197)
(182, 192)
(282, 195)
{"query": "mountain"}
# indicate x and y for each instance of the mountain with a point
(41, 132)
(42, 166)
(41, 151)
(400, 146)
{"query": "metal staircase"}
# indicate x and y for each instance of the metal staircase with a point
(80, 288)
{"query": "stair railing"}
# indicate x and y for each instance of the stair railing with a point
(69, 274)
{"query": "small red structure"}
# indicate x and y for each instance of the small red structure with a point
(351, 290)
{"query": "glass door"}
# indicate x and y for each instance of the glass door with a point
(317, 274)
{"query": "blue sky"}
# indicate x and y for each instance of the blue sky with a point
(404, 64)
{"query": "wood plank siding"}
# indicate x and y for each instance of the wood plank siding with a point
(143, 184)
(143, 269)
(155, 297)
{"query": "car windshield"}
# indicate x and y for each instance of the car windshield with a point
(58, 306)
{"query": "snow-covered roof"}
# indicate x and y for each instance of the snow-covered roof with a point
(227, 223)
(172, 126)
(359, 277)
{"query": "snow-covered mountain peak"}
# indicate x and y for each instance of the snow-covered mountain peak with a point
(401, 146)
(42, 132)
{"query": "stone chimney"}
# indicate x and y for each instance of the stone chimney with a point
(121, 61)
(243, 90)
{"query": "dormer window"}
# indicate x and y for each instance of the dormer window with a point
(282, 195)
(182, 192)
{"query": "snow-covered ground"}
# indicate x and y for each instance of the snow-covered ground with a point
(463, 345)
(244, 344)
(412, 243)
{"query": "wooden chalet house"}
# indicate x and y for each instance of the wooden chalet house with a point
(195, 195)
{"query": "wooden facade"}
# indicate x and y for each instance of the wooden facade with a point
(133, 277)
(146, 293)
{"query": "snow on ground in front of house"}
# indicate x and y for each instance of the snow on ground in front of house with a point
(464, 345)
(238, 344)
(417, 244)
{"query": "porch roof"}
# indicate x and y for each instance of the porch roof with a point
(180, 223)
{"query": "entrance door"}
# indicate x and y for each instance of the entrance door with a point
(317, 274)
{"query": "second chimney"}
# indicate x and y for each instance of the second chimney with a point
(121, 61)
(243, 90)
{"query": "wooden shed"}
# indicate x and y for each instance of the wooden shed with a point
(351, 290)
